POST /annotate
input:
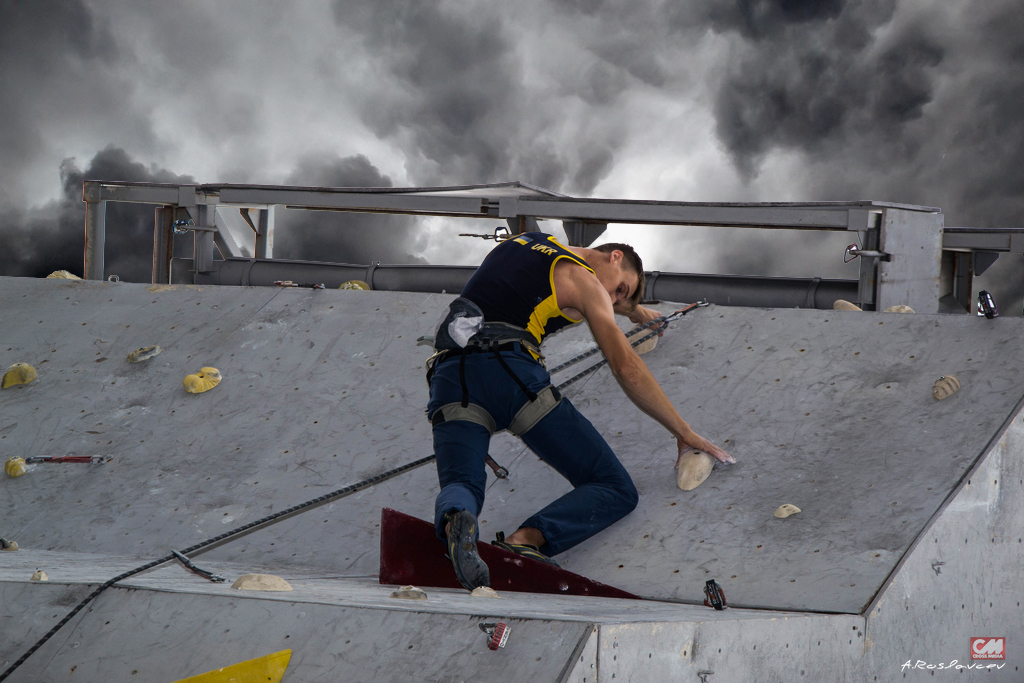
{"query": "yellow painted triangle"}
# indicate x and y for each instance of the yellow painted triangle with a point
(266, 669)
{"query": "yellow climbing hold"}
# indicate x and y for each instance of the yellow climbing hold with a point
(844, 305)
(204, 380)
(785, 510)
(266, 669)
(19, 373)
(694, 467)
(945, 387)
(409, 593)
(15, 466)
(8, 545)
(354, 284)
(62, 275)
(145, 353)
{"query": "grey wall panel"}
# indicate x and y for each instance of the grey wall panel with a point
(30, 609)
(963, 579)
(149, 636)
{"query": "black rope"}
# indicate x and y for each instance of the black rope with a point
(216, 541)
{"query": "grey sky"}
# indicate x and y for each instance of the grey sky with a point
(711, 100)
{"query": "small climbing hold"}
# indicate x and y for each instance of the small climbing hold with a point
(39, 575)
(945, 387)
(354, 284)
(204, 380)
(145, 353)
(19, 373)
(409, 593)
(899, 308)
(694, 467)
(15, 466)
(8, 545)
(62, 275)
(785, 510)
(484, 592)
(646, 346)
(261, 582)
(844, 305)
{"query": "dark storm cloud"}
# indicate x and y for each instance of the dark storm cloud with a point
(459, 102)
(343, 237)
(36, 242)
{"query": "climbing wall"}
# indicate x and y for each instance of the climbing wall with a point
(829, 411)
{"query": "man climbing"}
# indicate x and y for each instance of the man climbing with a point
(487, 377)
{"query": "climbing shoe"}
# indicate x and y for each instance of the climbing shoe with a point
(471, 571)
(522, 549)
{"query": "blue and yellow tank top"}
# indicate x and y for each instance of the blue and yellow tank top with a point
(516, 284)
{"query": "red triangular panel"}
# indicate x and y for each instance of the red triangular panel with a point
(410, 553)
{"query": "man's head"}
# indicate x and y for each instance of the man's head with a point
(621, 272)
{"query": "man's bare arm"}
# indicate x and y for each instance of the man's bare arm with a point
(584, 292)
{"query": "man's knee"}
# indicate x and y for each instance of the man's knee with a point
(626, 495)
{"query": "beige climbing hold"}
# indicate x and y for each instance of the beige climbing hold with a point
(39, 575)
(409, 593)
(62, 275)
(19, 373)
(355, 284)
(694, 468)
(844, 305)
(484, 592)
(204, 380)
(899, 308)
(261, 582)
(15, 466)
(785, 510)
(646, 346)
(145, 353)
(945, 387)
(8, 545)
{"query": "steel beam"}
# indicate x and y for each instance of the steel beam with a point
(163, 244)
(95, 238)
(265, 233)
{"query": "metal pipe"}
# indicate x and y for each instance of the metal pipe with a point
(727, 290)
(163, 244)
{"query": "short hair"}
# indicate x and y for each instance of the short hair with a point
(632, 262)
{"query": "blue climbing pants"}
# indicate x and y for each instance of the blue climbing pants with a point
(603, 492)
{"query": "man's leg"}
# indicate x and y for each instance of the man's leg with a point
(603, 493)
(461, 450)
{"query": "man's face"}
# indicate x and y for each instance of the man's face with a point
(619, 282)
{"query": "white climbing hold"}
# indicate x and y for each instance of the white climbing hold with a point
(945, 387)
(694, 467)
(261, 582)
(484, 592)
(646, 346)
(409, 593)
(899, 308)
(39, 575)
(844, 305)
(145, 353)
(785, 510)
(62, 275)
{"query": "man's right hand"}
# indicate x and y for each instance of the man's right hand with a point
(695, 440)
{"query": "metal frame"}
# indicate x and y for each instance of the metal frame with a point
(903, 244)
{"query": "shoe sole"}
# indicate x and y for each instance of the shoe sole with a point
(470, 569)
